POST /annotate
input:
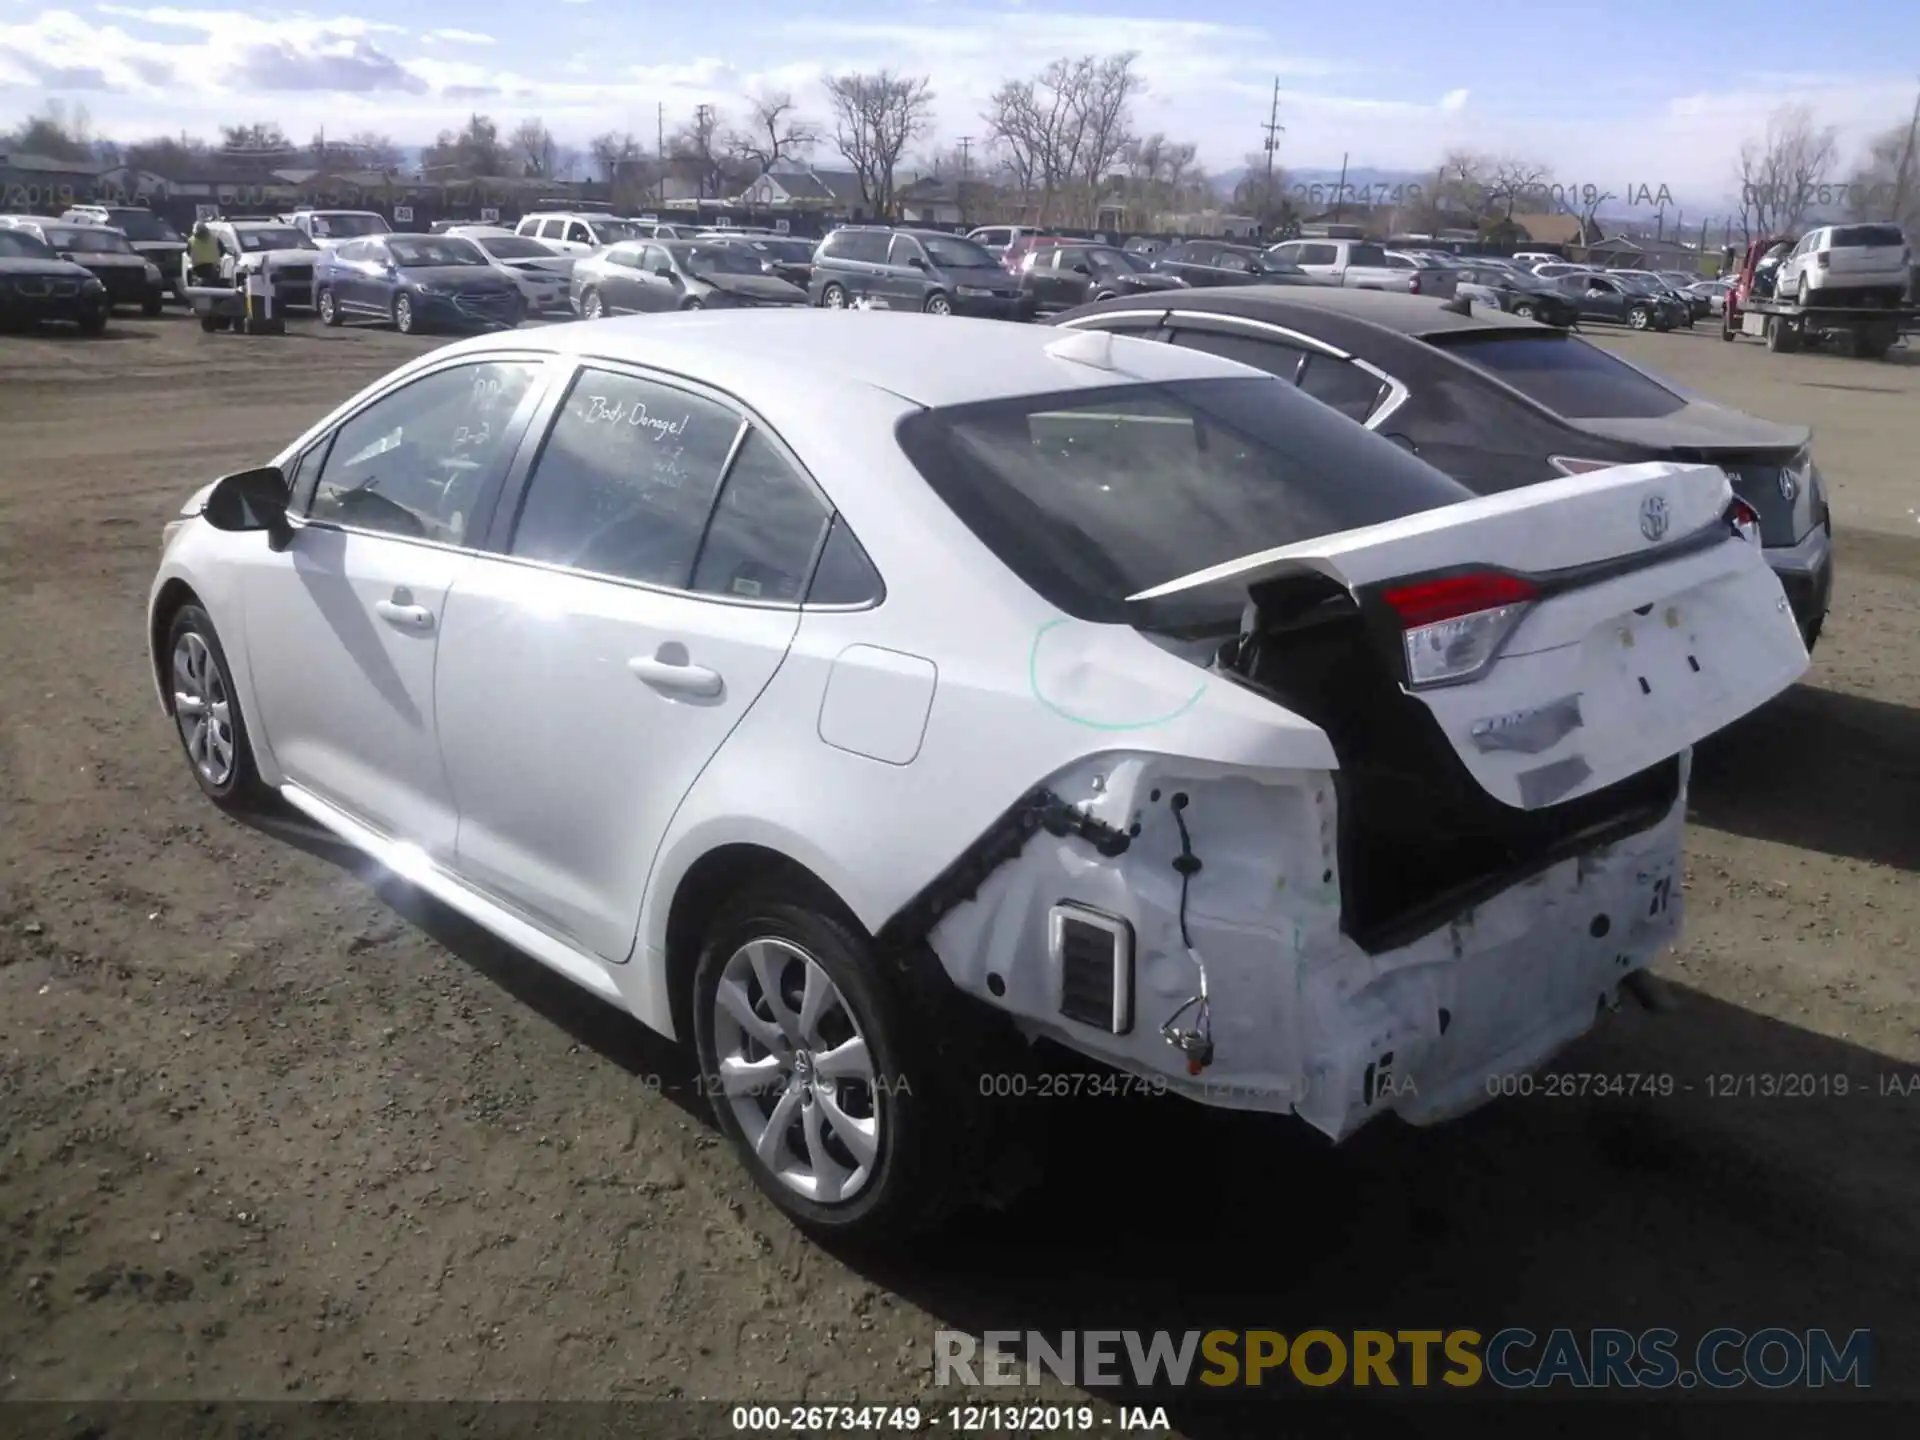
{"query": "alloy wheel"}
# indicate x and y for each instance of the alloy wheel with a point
(403, 315)
(203, 709)
(939, 305)
(796, 1071)
(834, 298)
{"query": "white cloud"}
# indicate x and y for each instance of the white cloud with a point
(150, 70)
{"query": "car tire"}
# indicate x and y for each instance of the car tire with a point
(937, 304)
(328, 307)
(153, 305)
(592, 307)
(1524, 311)
(1639, 318)
(218, 750)
(404, 319)
(887, 1093)
(94, 324)
(694, 302)
(834, 297)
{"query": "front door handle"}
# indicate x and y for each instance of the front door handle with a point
(676, 674)
(406, 617)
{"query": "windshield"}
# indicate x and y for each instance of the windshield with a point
(420, 252)
(953, 253)
(1094, 495)
(87, 242)
(274, 239)
(512, 247)
(699, 259)
(334, 224)
(141, 225)
(1565, 374)
(18, 245)
(610, 232)
(1106, 262)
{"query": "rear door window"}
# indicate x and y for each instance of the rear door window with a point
(1271, 356)
(626, 479)
(1366, 255)
(867, 247)
(766, 528)
(1565, 374)
(1347, 388)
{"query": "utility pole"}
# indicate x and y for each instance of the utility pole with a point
(702, 134)
(1274, 130)
(660, 154)
(966, 173)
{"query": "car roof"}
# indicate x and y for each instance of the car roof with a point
(1346, 318)
(925, 359)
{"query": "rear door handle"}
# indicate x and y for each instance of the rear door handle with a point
(682, 678)
(406, 617)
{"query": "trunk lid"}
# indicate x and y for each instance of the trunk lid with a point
(1652, 625)
(1769, 463)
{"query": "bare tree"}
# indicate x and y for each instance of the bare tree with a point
(1585, 207)
(697, 152)
(534, 147)
(261, 138)
(1266, 198)
(1781, 173)
(1160, 175)
(1885, 185)
(775, 131)
(875, 118)
(612, 152)
(1517, 184)
(57, 133)
(1103, 112)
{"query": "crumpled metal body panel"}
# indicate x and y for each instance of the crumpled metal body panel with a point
(1303, 1020)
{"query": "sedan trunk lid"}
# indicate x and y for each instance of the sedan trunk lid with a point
(1565, 636)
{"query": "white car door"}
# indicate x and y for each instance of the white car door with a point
(343, 625)
(590, 670)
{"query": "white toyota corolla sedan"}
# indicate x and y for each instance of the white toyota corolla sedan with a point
(850, 693)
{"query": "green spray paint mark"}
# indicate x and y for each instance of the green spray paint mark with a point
(1033, 682)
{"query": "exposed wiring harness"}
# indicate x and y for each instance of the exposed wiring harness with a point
(1196, 1040)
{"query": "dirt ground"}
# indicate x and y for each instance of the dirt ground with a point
(271, 1130)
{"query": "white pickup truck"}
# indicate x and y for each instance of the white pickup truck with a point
(1356, 264)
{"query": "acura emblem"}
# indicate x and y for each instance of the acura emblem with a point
(1653, 516)
(1789, 487)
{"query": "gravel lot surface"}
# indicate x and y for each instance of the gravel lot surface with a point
(270, 1129)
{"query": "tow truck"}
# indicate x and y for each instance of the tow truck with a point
(1867, 333)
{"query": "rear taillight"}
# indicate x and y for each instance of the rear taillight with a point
(1571, 465)
(1413, 284)
(1745, 521)
(1452, 629)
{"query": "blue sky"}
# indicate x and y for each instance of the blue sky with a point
(1623, 94)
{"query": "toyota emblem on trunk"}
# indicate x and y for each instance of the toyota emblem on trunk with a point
(1653, 516)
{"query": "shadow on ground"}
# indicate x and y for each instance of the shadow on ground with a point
(1702, 1166)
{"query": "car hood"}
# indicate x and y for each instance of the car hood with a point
(551, 265)
(755, 287)
(1140, 281)
(53, 269)
(97, 260)
(1700, 425)
(456, 277)
(281, 257)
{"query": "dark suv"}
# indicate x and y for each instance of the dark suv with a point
(913, 270)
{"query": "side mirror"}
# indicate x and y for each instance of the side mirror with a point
(1083, 270)
(251, 500)
(918, 263)
(664, 269)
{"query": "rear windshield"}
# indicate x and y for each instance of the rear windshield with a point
(422, 252)
(513, 247)
(1565, 374)
(1849, 236)
(1094, 495)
